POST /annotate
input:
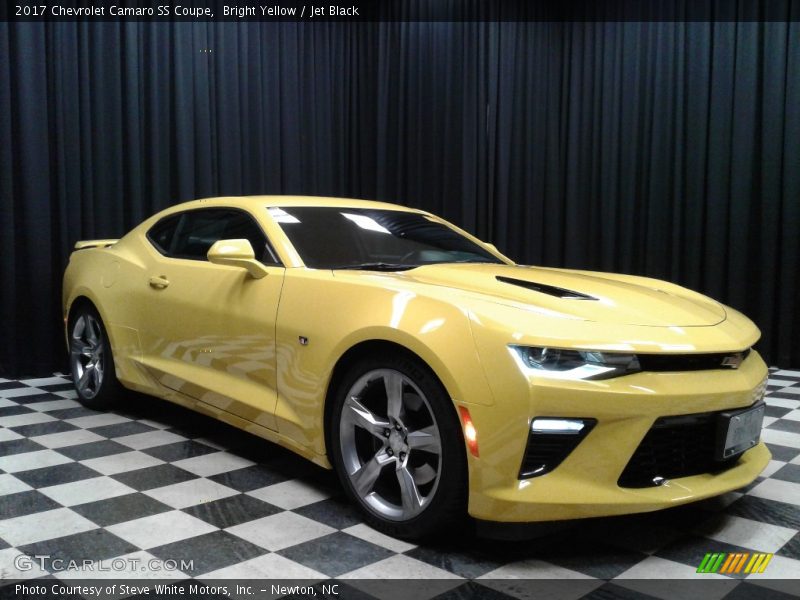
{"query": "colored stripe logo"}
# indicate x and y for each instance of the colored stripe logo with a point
(734, 562)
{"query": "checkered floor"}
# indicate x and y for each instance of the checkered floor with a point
(157, 481)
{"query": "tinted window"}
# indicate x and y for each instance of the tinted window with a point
(191, 234)
(330, 238)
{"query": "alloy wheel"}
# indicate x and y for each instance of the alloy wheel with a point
(390, 444)
(87, 359)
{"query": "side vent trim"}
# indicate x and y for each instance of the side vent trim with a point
(542, 288)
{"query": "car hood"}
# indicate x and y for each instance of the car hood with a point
(589, 296)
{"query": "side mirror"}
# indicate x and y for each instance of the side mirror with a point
(237, 253)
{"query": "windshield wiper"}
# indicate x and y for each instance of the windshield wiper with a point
(375, 266)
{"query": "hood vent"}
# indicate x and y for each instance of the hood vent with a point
(542, 288)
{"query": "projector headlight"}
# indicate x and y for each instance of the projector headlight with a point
(557, 363)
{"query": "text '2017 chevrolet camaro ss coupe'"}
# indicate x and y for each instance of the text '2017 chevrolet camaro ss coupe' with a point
(437, 377)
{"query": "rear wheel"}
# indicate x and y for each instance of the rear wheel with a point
(397, 447)
(91, 361)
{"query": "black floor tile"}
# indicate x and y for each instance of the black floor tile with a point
(93, 450)
(72, 413)
(776, 411)
(58, 387)
(209, 552)
(25, 503)
(121, 429)
(612, 591)
(766, 511)
(791, 549)
(120, 509)
(783, 453)
(336, 553)
(47, 476)
(34, 398)
(473, 590)
(44, 428)
(179, 450)
(154, 477)
(750, 591)
(785, 425)
(690, 549)
(10, 411)
(249, 478)
(788, 473)
(19, 446)
(456, 559)
(231, 511)
(337, 512)
(96, 544)
(12, 385)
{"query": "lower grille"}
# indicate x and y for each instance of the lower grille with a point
(675, 447)
(545, 451)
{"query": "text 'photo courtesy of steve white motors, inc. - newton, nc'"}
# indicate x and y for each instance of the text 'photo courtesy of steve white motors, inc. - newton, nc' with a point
(187, 11)
(240, 589)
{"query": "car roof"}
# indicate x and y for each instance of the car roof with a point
(276, 200)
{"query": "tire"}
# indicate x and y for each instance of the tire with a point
(400, 456)
(91, 360)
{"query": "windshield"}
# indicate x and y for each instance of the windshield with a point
(365, 238)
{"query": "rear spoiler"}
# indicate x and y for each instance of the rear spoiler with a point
(84, 244)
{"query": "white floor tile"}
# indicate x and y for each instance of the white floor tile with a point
(400, 566)
(754, 535)
(11, 485)
(86, 490)
(29, 568)
(43, 526)
(280, 530)
(268, 566)
(780, 382)
(67, 438)
(213, 464)
(32, 460)
(188, 493)
(291, 494)
(772, 467)
(97, 420)
(793, 415)
(20, 392)
(69, 394)
(39, 381)
(786, 372)
(156, 424)
(31, 418)
(149, 439)
(160, 529)
(5, 403)
(49, 405)
(365, 532)
(137, 565)
(776, 489)
(781, 438)
(7, 434)
(783, 402)
(779, 567)
(533, 569)
(122, 463)
(549, 589)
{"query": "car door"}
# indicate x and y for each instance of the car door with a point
(208, 331)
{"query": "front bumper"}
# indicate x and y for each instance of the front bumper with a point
(585, 484)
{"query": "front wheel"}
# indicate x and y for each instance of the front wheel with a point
(91, 361)
(397, 447)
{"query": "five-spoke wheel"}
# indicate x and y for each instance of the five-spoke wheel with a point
(395, 444)
(90, 359)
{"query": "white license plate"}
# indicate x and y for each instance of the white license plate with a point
(744, 430)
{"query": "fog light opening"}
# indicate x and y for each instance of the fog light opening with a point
(558, 426)
(470, 434)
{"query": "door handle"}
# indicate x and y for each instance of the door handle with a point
(159, 283)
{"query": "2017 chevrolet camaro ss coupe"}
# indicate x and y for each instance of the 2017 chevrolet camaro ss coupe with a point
(437, 377)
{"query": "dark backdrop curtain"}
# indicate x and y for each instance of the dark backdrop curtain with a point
(665, 149)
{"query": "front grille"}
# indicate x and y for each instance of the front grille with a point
(691, 362)
(675, 447)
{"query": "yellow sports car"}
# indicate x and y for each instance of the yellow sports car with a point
(437, 377)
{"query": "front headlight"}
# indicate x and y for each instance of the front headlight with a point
(557, 363)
